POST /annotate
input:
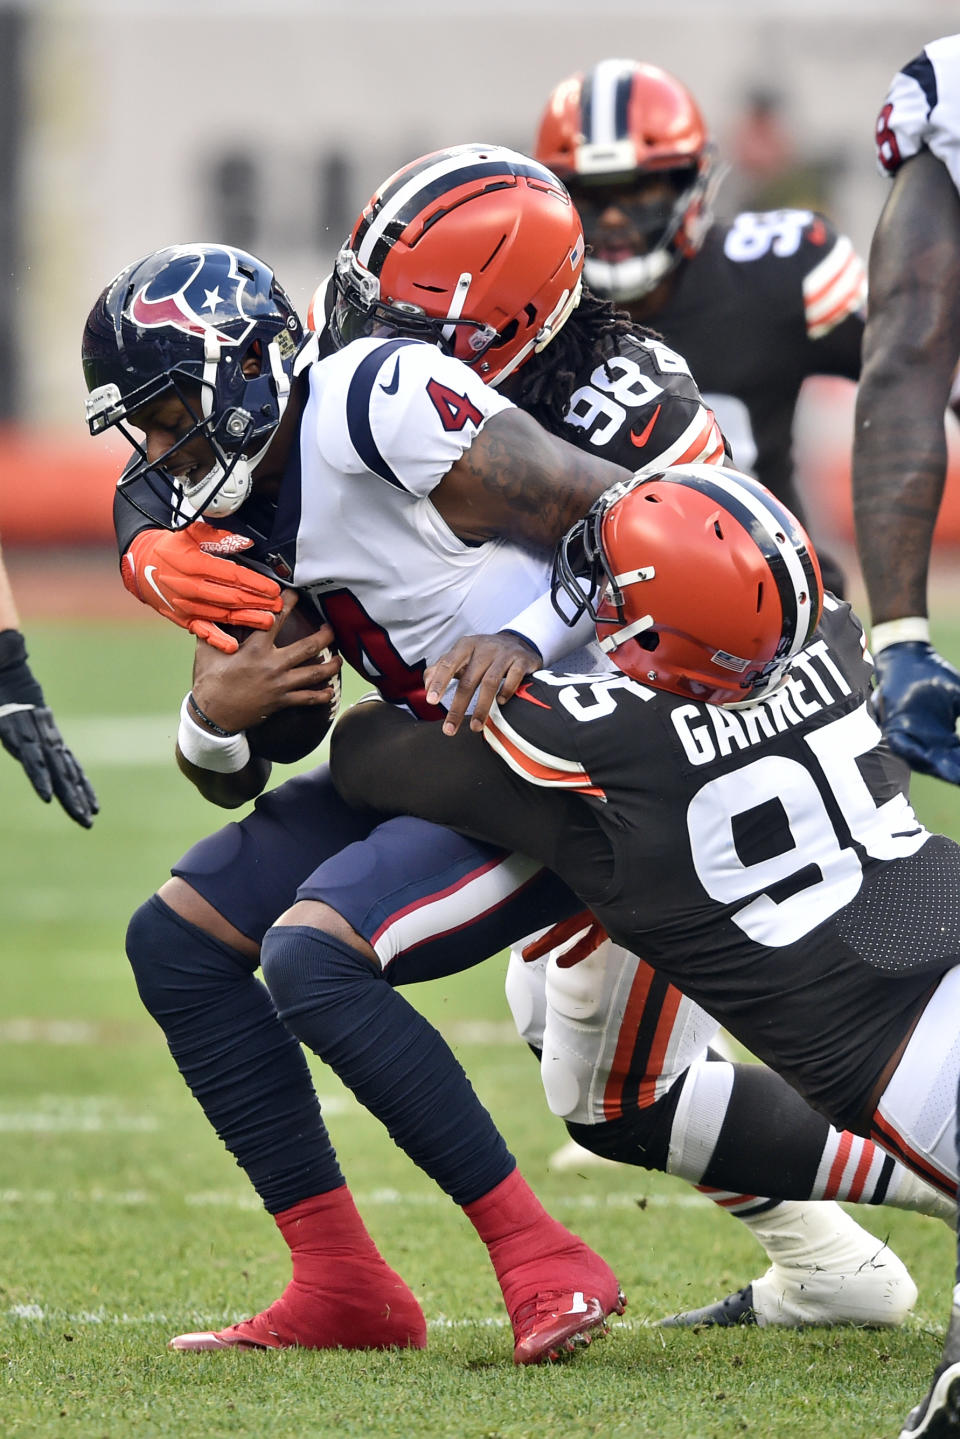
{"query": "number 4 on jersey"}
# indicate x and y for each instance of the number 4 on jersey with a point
(454, 410)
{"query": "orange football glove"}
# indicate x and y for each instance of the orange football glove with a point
(185, 576)
(588, 932)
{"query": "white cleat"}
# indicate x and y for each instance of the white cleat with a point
(828, 1271)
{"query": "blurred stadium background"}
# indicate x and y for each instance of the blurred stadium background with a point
(129, 124)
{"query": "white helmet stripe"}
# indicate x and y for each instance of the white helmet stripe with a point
(604, 118)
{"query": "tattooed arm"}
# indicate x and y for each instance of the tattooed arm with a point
(911, 346)
(520, 482)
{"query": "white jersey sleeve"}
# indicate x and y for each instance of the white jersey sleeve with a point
(400, 409)
(922, 110)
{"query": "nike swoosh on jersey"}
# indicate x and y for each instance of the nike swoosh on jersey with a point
(394, 385)
(522, 694)
(644, 435)
(148, 575)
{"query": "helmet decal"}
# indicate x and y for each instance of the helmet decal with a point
(211, 326)
(193, 282)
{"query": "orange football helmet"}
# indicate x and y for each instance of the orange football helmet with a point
(478, 249)
(605, 133)
(699, 580)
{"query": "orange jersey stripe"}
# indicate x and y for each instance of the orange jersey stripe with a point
(658, 1050)
(619, 1070)
(536, 771)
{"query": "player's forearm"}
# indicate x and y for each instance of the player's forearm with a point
(217, 762)
(228, 791)
(899, 468)
(910, 350)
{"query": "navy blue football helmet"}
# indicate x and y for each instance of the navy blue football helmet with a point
(182, 321)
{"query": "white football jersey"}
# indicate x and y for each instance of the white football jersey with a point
(922, 110)
(385, 421)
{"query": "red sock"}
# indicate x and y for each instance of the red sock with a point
(514, 1225)
(343, 1294)
(323, 1227)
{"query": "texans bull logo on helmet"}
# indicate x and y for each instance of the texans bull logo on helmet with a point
(193, 282)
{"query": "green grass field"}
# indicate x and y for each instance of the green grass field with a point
(122, 1220)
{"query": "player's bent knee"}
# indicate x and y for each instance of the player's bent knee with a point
(579, 991)
(184, 900)
(640, 1136)
(526, 996)
(314, 914)
(312, 978)
(175, 964)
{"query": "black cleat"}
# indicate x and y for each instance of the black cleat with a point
(938, 1417)
(735, 1309)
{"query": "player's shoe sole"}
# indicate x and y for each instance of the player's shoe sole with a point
(207, 1339)
(938, 1417)
(354, 1317)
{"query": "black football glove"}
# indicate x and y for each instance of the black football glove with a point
(29, 732)
(917, 704)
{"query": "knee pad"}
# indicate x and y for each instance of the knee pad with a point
(581, 991)
(525, 987)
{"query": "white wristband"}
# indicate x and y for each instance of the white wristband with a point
(897, 632)
(546, 631)
(223, 754)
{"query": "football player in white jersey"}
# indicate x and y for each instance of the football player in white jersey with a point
(910, 353)
(28, 730)
(197, 348)
(727, 806)
(643, 374)
(755, 305)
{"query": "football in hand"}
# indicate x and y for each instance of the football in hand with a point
(291, 734)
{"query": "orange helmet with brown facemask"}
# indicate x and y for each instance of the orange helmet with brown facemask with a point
(477, 248)
(605, 133)
(699, 580)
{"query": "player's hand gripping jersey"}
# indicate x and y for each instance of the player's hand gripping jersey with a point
(922, 110)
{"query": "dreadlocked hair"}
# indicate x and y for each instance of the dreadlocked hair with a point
(543, 385)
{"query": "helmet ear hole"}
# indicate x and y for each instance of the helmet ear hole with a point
(252, 362)
(649, 640)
